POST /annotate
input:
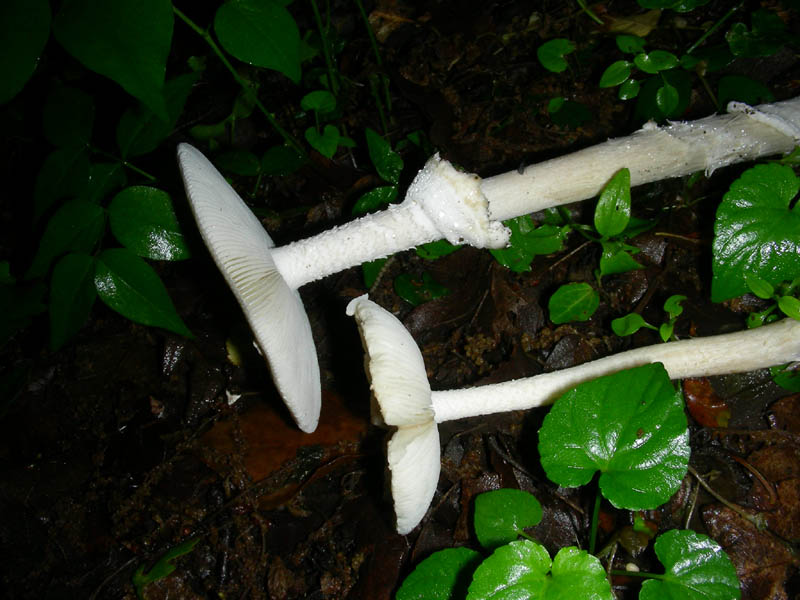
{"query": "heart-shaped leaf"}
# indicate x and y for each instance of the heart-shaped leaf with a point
(502, 514)
(630, 426)
(696, 567)
(551, 54)
(756, 231)
(326, 142)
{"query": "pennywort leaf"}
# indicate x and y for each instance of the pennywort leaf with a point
(443, 575)
(655, 61)
(615, 74)
(573, 302)
(501, 515)
(640, 446)
(551, 54)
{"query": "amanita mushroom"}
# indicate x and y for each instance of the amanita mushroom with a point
(442, 203)
(400, 387)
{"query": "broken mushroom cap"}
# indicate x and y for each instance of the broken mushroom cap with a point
(242, 251)
(399, 385)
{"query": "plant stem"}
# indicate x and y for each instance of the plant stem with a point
(384, 81)
(644, 574)
(124, 163)
(589, 13)
(713, 28)
(326, 51)
(595, 521)
(203, 33)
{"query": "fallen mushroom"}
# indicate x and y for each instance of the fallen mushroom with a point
(442, 203)
(400, 387)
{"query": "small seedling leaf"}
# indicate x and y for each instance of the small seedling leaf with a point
(261, 33)
(761, 288)
(613, 209)
(630, 426)
(387, 162)
(672, 305)
(443, 575)
(76, 226)
(696, 567)
(756, 231)
(375, 199)
(629, 324)
(573, 302)
(667, 98)
(528, 241)
(437, 249)
(125, 40)
(326, 142)
(72, 295)
(615, 74)
(320, 101)
(630, 44)
(790, 306)
(24, 29)
(128, 285)
(655, 61)
(522, 569)
(647, 100)
(502, 514)
(68, 117)
(786, 377)
(418, 290)
(551, 54)
(163, 567)
(629, 89)
(143, 220)
(63, 173)
(616, 258)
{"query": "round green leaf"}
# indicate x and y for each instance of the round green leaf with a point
(616, 73)
(68, 117)
(616, 258)
(375, 199)
(387, 162)
(72, 295)
(647, 106)
(667, 98)
(756, 231)
(501, 515)
(630, 426)
(125, 40)
(143, 220)
(551, 54)
(64, 173)
(128, 285)
(613, 209)
(629, 89)
(24, 29)
(522, 569)
(629, 324)
(630, 44)
(696, 567)
(655, 61)
(326, 142)
(75, 226)
(573, 302)
(443, 575)
(321, 101)
(790, 306)
(261, 33)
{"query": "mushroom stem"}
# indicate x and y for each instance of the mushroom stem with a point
(737, 352)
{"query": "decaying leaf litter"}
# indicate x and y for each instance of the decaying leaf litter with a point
(123, 444)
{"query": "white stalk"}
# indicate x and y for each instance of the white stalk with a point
(400, 388)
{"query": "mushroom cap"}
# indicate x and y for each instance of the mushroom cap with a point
(394, 365)
(242, 250)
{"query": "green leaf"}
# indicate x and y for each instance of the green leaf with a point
(742, 89)
(326, 142)
(665, 330)
(629, 324)
(76, 226)
(238, 162)
(104, 178)
(375, 199)
(790, 306)
(68, 117)
(72, 295)
(143, 220)
(321, 101)
(761, 288)
(128, 285)
(655, 61)
(630, 44)
(163, 567)
(140, 130)
(573, 302)
(551, 54)
(281, 160)
(630, 426)
(444, 575)
(528, 241)
(370, 271)
(437, 249)
(629, 89)
(261, 33)
(24, 29)
(64, 173)
(672, 305)
(615, 74)
(125, 40)
(696, 567)
(756, 231)
(647, 101)
(613, 209)
(522, 569)
(616, 258)
(501, 515)
(387, 162)
(765, 38)
(418, 290)
(667, 98)
(786, 377)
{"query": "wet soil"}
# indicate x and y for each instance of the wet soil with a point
(125, 443)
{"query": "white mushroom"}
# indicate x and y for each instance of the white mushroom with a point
(399, 384)
(442, 203)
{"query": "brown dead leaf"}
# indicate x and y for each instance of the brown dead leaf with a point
(640, 25)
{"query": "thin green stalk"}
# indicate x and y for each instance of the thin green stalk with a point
(589, 13)
(326, 52)
(203, 33)
(384, 81)
(714, 27)
(124, 163)
(595, 521)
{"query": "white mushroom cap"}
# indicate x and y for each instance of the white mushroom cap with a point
(241, 248)
(413, 455)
